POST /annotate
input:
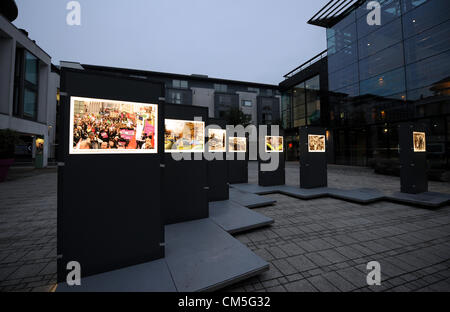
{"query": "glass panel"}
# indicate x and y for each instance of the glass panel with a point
(429, 71)
(388, 83)
(29, 103)
(411, 4)
(383, 61)
(342, 59)
(428, 43)
(426, 16)
(352, 90)
(390, 10)
(31, 68)
(344, 77)
(342, 38)
(313, 83)
(299, 105)
(380, 39)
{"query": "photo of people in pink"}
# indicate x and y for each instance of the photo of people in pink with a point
(106, 127)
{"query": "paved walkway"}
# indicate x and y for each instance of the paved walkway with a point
(315, 245)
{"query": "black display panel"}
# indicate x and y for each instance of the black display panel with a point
(185, 186)
(109, 205)
(413, 158)
(237, 167)
(218, 168)
(313, 157)
(273, 147)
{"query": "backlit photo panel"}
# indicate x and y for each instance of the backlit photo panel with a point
(184, 136)
(237, 145)
(419, 142)
(316, 143)
(274, 144)
(217, 140)
(101, 126)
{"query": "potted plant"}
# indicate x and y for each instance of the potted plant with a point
(8, 140)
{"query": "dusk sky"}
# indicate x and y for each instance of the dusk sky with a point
(250, 40)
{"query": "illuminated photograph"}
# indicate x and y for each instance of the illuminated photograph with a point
(237, 145)
(316, 143)
(274, 144)
(217, 139)
(101, 126)
(419, 142)
(184, 136)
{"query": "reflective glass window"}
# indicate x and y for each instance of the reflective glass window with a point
(390, 10)
(388, 83)
(425, 16)
(428, 71)
(428, 43)
(344, 77)
(383, 61)
(380, 39)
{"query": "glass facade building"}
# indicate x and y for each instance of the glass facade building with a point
(378, 77)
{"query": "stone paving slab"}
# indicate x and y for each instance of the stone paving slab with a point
(427, 199)
(235, 218)
(411, 244)
(249, 200)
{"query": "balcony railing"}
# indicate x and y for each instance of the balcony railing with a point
(308, 63)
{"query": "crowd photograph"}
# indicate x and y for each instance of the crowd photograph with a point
(274, 144)
(184, 136)
(106, 126)
(316, 143)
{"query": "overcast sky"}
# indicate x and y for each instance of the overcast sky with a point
(250, 40)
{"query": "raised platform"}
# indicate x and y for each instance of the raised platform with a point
(427, 199)
(203, 257)
(200, 256)
(249, 200)
(235, 218)
(361, 196)
(152, 276)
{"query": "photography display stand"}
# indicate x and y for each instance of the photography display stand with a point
(413, 170)
(109, 205)
(111, 213)
(313, 165)
(237, 169)
(413, 164)
(276, 177)
(218, 170)
(185, 187)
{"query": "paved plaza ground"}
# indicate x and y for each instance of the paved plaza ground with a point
(315, 245)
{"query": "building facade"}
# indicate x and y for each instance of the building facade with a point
(304, 101)
(28, 90)
(260, 102)
(378, 77)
